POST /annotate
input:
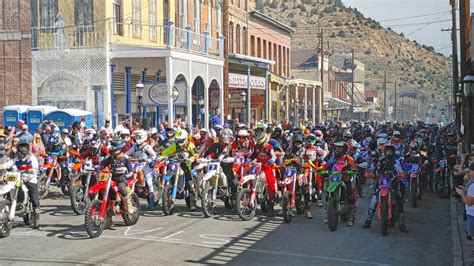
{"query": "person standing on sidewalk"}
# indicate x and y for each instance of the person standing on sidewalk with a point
(467, 194)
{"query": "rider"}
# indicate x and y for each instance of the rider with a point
(294, 158)
(57, 147)
(340, 156)
(182, 145)
(27, 162)
(144, 153)
(389, 163)
(315, 153)
(119, 164)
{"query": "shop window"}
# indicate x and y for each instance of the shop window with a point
(48, 12)
(136, 19)
(152, 20)
(237, 39)
(117, 17)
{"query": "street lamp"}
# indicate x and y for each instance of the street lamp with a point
(469, 94)
(243, 96)
(139, 91)
(468, 86)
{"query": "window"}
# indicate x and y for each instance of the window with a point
(117, 17)
(259, 47)
(152, 20)
(219, 20)
(275, 57)
(34, 13)
(252, 45)
(270, 55)
(197, 16)
(288, 61)
(279, 63)
(165, 11)
(49, 10)
(136, 19)
(264, 49)
(231, 37)
(237, 39)
(83, 13)
(209, 17)
(245, 39)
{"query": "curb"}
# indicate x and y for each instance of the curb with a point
(458, 258)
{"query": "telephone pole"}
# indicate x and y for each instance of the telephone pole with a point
(395, 109)
(454, 40)
(225, 33)
(321, 95)
(385, 96)
(352, 87)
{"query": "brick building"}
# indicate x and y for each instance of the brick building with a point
(15, 55)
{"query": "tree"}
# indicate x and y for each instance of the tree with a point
(293, 24)
(259, 5)
(338, 23)
(342, 34)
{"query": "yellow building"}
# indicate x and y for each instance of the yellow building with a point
(90, 54)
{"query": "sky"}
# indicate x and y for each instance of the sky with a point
(394, 13)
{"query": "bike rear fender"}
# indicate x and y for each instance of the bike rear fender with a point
(247, 178)
(7, 188)
(97, 187)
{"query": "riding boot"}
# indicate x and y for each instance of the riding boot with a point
(320, 199)
(368, 222)
(308, 214)
(36, 215)
(351, 220)
(402, 226)
(109, 223)
(271, 209)
(151, 201)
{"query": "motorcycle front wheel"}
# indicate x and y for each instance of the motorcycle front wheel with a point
(43, 189)
(167, 201)
(79, 199)
(333, 215)
(207, 201)
(384, 215)
(132, 219)
(28, 218)
(245, 208)
(92, 221)
(442, 186)
(5, 224)
(413, 192)
(286, 207)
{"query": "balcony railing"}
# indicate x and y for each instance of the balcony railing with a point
(145, 35)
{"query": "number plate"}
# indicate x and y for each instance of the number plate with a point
(414, 168)
(290, 172)
(173, 167)
(11, 177)
(103, 177)
(50, 159)
(384, 182)
(443, 163)
(336, 178)
(213, 166)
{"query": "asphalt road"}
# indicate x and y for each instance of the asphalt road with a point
(187, 237)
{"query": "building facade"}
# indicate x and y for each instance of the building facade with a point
(15, 55)
(91, 54)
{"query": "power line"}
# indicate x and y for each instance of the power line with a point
(418, 16)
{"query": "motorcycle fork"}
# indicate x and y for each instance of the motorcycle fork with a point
(105, 201)
(14, 202)
(88, 180)
(253, 185)
(175, 184)
(293, 193)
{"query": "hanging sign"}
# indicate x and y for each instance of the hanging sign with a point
(156, 93)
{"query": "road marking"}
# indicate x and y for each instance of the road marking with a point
(129, 231)
(219, 241)
(174, 234)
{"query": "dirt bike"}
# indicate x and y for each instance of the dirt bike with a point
(441, 182)
(14, 200)
(388, 186)
(252, 190)
(413, 169)
(107, 199)
(215, 185)
(51, 174)
(288, 202)
(174, 182)
(156, 172)
(337, 196)
(80, 184)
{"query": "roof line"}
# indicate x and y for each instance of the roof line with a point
(272, 21)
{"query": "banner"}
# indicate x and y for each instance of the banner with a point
(156, 93)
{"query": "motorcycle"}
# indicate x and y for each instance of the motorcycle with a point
(337, 196)
(142, 191)
(81, 182)
(14, 200)
(386, 199)
(51, 174)
(442, 173)
(413, 169)
(252, 190)
(215, 185)
(174, 182)
(289, 198)
(107, 200)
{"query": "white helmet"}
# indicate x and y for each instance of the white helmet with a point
(381, 141)
(242, 133)
(125, 134)
(89, 133)
(153, 131)
(181, 137)
(139, 136)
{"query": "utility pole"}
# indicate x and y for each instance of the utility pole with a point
(395, 109)
(352, 87)
(465, 44)
(403, 109)
(385, 96)
(225, 33)
(321, 98)
(454, 39)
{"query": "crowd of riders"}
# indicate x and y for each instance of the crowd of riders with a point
(372, 149)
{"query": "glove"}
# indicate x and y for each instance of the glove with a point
(152, 164)
(270, 161)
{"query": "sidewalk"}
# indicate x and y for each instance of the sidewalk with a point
(463, 249)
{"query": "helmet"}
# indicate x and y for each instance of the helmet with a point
(23, 147)
(319, 135)
(340, 147)
(203, 133)
(353, 145)
(116, 146)
(225, 136)
(89, 133)
(212, 133)
(311, 139)
(347, 135)
(125, 134)
(217, 128)
(170, 132)
(297, 138)
(311, 153)
(277, 133)
(343, 126)
(396, 134)
(140, 136)
(260, 137)
(181, 137)
(381, 141)
(153, 131)
(269, 130)
(242, 133)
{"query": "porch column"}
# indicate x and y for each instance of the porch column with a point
(287, 103)
(249, 97)
(128, 90)
(189, 97)
(144, 109)
(112, 97)
(305, 102)
(169, 87)
(297, 103)
(206, 98)
(313, 110)
(268, 99)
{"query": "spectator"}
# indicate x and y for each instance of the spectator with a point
(467, 194)
(19, 126)
(46, 134)
(14, 147)
(108, 128)
(37, 148)
(25, 135)
(83, 123)
(65, 136)
(216, 120)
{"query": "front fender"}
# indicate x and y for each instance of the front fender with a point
(209, 175)
(167, 177)
(247, 178)
(7, 188)
(97, 187)
(332, 186)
